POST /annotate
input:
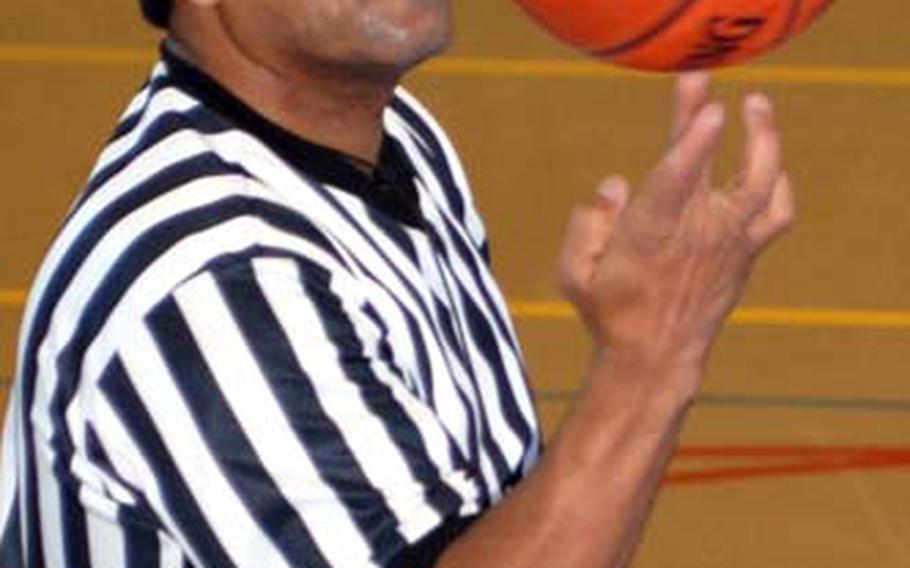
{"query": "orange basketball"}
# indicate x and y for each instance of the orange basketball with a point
(674, 35)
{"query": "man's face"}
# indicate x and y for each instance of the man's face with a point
(373, 35)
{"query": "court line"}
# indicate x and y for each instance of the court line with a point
(798, 461)
(750, 463)
(770, 402)
(107, 56)
(779, 317)
(789, 317)
(13, 298)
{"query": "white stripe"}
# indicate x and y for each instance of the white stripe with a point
(168, 99)
(106, 543)
(9, 472)
(138, 101)
(49, 508)
(261, 416)
(170, 555)
(239, 534)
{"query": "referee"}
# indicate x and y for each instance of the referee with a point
(267, 334)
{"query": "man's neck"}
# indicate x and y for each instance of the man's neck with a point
(333, 108)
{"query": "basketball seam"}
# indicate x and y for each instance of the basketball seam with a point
(795, 9)
(681, 8)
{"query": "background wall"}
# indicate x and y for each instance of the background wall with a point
(798, 453)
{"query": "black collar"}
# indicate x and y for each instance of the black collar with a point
(389, 188)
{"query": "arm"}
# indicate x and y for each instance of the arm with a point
(654, 280)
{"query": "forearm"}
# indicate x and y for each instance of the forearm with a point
(586, 502)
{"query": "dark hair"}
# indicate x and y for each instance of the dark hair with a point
(157, 12)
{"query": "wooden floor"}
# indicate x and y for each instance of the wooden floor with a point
(798, 453)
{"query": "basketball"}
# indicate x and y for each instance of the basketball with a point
(675, 35)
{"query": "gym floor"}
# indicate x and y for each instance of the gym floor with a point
(798, 453)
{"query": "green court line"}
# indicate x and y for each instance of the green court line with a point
(475, 66)
(769, 402)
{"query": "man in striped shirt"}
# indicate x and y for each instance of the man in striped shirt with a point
(267, 334)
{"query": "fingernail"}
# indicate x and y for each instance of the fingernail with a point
(759, 102)
(612, 190)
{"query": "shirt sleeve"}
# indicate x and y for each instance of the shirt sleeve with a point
(271, 427)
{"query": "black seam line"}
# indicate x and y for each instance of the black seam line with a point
(746, 401)
(681, 8)
(795, 9)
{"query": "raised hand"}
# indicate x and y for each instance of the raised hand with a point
(655, 277)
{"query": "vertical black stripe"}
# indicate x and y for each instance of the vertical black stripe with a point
(490, 447)
(422, 389)
(436, 156)
(486, 339)
(459, 460)
(139, 523)
(11, 553)
(228, 441)
(141, 547)
(399, 426)
(177, 497)
(476, 270)
(75, 531)
(293, 388)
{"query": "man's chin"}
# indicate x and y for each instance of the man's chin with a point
(397, 61)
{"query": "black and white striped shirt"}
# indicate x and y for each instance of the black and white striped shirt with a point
(243, 351)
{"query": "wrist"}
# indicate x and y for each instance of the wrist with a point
(660, 376)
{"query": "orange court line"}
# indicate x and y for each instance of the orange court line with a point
(13, 298)
(581, 68)
(777, 317)
(802, 461)
(789, 451)
(76, 55)
(787, 317)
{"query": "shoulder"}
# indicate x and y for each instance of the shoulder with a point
(169, 200)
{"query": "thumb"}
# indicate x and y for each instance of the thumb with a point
(587, 236)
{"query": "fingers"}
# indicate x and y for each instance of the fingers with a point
(589, 231)
(761, 167)
(777, 217)
(676, 178)
(693, 91)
